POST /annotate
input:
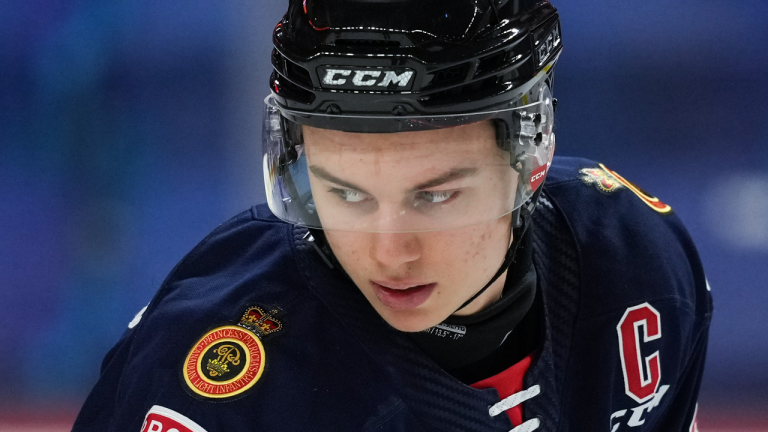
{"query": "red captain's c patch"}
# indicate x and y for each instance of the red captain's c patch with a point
(162, 419)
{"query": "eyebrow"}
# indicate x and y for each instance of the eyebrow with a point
(325, 175)
(454, 174)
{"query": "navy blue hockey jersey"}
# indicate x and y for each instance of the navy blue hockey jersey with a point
(254, 331)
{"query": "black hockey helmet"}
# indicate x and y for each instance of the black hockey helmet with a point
(382, 66)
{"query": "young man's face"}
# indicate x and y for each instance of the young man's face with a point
(400, 185)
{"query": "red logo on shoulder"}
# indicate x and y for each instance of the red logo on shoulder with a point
(162, 419)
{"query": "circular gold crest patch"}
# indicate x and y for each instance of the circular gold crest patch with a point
(224, 363)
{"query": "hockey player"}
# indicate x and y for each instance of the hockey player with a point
(413, 271)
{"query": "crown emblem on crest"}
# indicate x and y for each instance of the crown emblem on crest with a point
(260, 322)
(215, 367)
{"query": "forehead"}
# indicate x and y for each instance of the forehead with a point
(466, 141)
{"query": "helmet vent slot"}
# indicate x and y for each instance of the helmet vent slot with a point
(491, 62)
(470, 92)
(297, 74)
(290, 70)
(452, 75)
(383, 43)
(285, 88)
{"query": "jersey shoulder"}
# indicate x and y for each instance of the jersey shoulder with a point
(630, 317)
(246, 259)
(631, 245)
(235, 322)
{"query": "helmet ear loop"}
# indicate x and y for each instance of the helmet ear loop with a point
(502, 135)
(520, 163)
(292, 138)
(523, 162)
(292, 134)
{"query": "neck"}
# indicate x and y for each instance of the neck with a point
(488, 297)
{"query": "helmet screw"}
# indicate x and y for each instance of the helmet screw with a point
(333, 109)
(399, 110)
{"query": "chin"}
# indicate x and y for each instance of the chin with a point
(410, 321)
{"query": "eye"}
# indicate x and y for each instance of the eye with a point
(437, 197)
(349, 195)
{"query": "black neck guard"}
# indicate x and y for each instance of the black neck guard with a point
(460, 342)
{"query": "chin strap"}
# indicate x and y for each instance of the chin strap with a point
(521, 220)
(316, 237)
(517, 235)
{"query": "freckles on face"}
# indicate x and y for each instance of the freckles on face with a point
(415, 218)
(459, 262)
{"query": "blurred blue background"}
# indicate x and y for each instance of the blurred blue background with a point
(128, 130)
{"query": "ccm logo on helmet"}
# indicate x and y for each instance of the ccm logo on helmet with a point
(371, 79)
(537, 176)
(548, 45)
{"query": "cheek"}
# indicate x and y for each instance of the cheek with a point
(460, 255)
(348, 247)
(469, 251)
(489, 246)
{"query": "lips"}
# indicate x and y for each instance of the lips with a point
(400, 295)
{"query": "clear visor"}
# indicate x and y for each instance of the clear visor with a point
(470, 170)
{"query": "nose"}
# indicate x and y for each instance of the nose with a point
(392, 250)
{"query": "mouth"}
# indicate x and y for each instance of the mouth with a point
(400, 296)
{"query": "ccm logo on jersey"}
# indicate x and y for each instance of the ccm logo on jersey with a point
(162, 419)
(345, 77)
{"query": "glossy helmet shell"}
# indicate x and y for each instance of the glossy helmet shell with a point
(462, 56)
